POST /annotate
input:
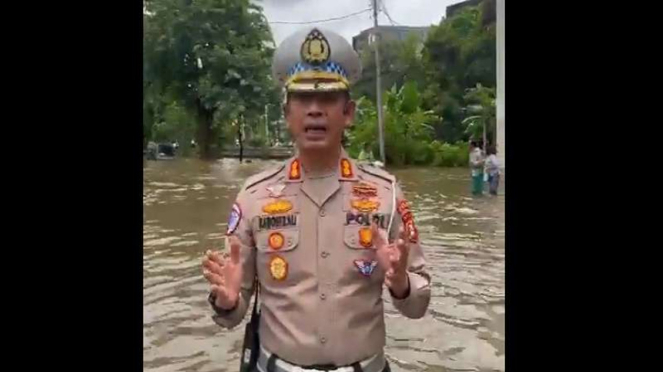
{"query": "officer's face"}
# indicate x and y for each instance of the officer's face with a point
(317, 120)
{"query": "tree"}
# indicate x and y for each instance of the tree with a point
(458, 54)
(407, 127)
(210, 56)
(481, 106)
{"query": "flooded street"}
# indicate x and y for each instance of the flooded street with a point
(186, 204)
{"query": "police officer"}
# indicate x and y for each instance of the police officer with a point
(322, 234)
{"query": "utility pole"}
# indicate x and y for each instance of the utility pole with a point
(378, 82)
(266, 123)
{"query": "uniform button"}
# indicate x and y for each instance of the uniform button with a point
(323, 296)
(323, 339)
(324, 254)
(323, 212)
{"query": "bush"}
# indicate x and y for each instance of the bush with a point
(448, 155)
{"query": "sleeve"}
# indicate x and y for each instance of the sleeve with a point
(415, 304)
(242, 229)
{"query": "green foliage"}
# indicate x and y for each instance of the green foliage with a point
(481, 105)
(448, 155)
(407, 127)
(459, 53)
(212, 57)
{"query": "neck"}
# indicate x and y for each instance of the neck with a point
(319, 162)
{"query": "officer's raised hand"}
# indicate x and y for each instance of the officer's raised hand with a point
(224, 274)
(393, 259)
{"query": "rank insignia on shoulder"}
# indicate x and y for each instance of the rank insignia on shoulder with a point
(411, 231)
(276, 191)
(278, 268)
(277, 207)
(365, 267)
(276, 240)
(365, 205)
(234, 219)
(346, 168)
(364, 189)
(295, 171)
(366, 237)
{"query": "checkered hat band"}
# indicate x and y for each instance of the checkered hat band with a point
(331, 67)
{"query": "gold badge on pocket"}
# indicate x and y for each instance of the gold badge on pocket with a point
(278, 267)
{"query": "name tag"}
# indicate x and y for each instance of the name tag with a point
(276, 222)
(366, 219)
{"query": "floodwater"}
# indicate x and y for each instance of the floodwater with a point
(186, 204)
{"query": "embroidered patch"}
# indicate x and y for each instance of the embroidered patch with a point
(276, 191)
(365, 205)
(276, 222)
(365, 267)
(234, 219)
(364, 190)
(277, 207)
(366, 237)
(346, 168)
(276, 241)
(278, 268)
(295, 170)
(365, 219)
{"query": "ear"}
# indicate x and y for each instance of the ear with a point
(349, 112)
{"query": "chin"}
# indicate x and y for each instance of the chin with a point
(305, 145)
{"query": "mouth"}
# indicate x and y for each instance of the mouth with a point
(315, 129)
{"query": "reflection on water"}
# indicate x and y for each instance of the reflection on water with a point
(186, 204)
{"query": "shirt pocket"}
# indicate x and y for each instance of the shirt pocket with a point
(276, 255)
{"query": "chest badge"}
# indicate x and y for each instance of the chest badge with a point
(365, 267)
(277, 207)
(365, 237)
(278, 268)
(276, 191)
(276, 241)
(365, 205)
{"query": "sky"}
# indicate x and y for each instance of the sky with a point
(403, 12)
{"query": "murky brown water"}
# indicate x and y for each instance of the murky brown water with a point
(186, 203)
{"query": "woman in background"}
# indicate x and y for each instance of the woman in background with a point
(492, 168)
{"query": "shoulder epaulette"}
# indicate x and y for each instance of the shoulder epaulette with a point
(263, 176)
(375, 171)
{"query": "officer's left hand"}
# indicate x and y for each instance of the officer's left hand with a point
(393, 259)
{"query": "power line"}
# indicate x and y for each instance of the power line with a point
(322, 20)
(386, 12)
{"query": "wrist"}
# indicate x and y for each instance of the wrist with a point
(400, 289)
(224, 305)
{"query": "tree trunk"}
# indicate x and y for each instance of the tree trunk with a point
(204, 132)
(241, 146)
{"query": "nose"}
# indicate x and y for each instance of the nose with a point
(314, 109)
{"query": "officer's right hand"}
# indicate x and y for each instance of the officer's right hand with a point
(224, 274)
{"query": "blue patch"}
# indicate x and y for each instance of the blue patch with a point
(366, 268)
(234, 219)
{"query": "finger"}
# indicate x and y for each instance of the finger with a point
(214, 256)
(387, 282)
(213, 278)
(403, 248)
(235, 246)
(213, 267)
(378, 239)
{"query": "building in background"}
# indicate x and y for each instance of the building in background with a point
(454, 8)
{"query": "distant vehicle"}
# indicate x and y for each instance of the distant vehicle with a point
(161, 151)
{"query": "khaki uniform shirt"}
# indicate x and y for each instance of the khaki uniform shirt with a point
(308, 242)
